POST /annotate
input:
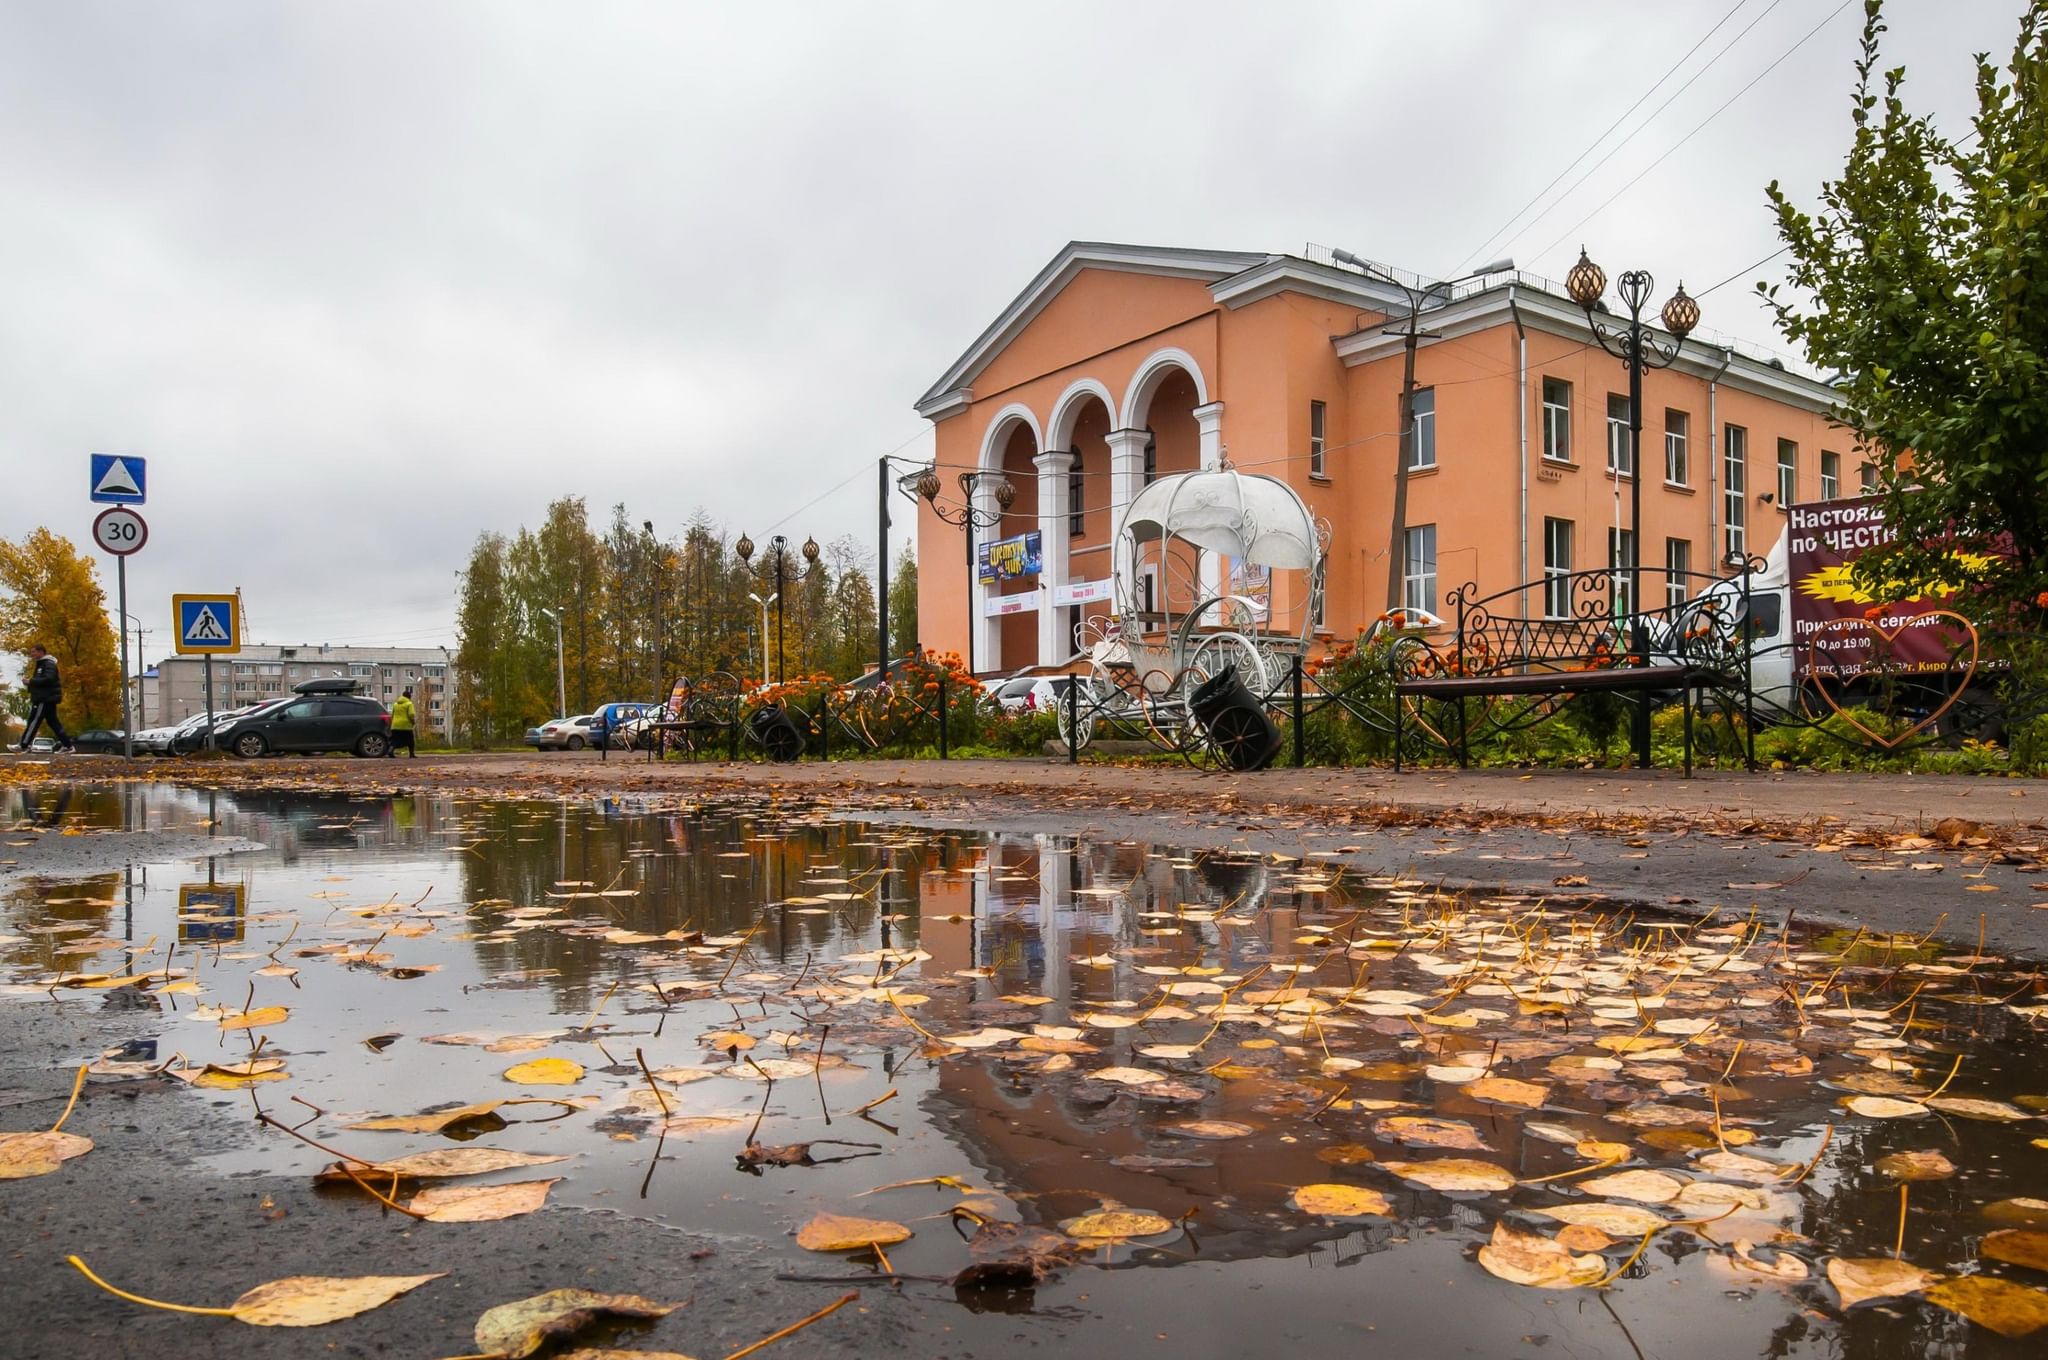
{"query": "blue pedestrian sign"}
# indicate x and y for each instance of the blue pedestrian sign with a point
(118, 479)
(207, 623)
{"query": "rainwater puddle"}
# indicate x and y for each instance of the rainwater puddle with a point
(1323, 1093)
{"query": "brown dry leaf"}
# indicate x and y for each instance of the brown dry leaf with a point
(840, 1232)
(1858, 1279)
(1508, 1091)
(1340, 1201)
(1012, 1255)
(2017, 1246)
(1127, 1076)
(1782, 1266)
(38, 1154)
(1884, 1107)
(1738, 1166)
(481, 1203)
(1650, 1187)
(1537, 1261)
(440, 1163)
(314, 1300)
(519, 1329)
(2006, 1308)
(1217, 1129)
(1583, 1237)
(545, 1072)
(1922, 1165)
(2032, 1213)
(1453, 1173)
(1421, 1131)
(437, 1121)
(257, 1019)
(1971, 1108)
(1116, 1224)
(1622, 1220)
(1345, 1154)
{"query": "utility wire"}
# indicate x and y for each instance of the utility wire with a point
(1554, 203)
(1535, 198)
(1568, 232)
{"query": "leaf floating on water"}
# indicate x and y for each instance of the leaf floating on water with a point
(1649, 1187)
(1924, 1165)
(2006, 1308)
(1622, 1220)
(1127, 1076)
(1860, 1279)
(38, 1154)
(1214, 1129)
(519, 1329)
(1422, 1131)
(841, 1232)
(2024, 1211)
(437, 1121)
(257, 1019)
(2017, 1246)
(440, 1163)
(545, 1072)
(1116, 1225)
(1971, 1108)
(1340, 1201)
(1453, 1174)
(481, 1203)
(1884, 1107)
(1345, 1154)
(1508, 1091)
(1537, 1261)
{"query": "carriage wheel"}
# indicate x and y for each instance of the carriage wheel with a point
(1091, 693)
(1226, 649)
(1235, 736)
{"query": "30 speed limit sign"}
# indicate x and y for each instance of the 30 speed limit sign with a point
(120, 531)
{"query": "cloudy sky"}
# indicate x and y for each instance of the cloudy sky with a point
(362, 280)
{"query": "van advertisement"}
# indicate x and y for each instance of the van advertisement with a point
(1840, 630)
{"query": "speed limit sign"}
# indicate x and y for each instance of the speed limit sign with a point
(120, 531)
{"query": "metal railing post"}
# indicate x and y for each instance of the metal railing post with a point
(942, 713)
(825, 725)
(1294, 680)
(1748, 672)
(1074, 720)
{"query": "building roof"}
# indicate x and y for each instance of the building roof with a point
(1238, 278)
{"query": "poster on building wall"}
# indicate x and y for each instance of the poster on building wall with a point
(1840, 630)
(1007, 559)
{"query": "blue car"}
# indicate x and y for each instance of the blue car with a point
(609, 724)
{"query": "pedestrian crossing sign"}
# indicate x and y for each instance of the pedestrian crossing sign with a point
(207, 623)
(212, 913)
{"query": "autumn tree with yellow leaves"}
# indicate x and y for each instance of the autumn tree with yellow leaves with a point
(50, 593)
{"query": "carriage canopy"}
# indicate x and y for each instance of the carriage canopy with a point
(1254, 519)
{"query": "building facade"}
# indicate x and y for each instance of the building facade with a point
(257, 673)
(1118, 364)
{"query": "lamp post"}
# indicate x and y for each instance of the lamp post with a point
(561, 673)
(924, 483)
(1637, 348)
(1397, 548)
(763, 634)
(779, 545)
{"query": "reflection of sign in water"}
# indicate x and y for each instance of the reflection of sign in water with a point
(1834, 630)
(211, 913)
(1006, 559)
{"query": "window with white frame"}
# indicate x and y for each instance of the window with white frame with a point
(1619, 454)
(1735, 489)
(1830, 475)
(1077, 513)
(1866, 477)
(1418, 568)
(1557, 420)
(1621, 555)
(1788, 472)
(1419, 447)
(1557, 568)
(1677, 432)
(1677, 562)
(1318, 431)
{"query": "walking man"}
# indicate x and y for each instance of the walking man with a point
(402, 719)
(45, 692)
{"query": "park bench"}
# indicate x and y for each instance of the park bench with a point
(1553, 640)
(696, 709)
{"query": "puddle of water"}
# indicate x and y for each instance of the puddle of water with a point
(1066, 1026)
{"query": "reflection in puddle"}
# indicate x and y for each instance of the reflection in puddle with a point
(1278, 1067)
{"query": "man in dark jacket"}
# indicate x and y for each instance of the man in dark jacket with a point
(45, 692)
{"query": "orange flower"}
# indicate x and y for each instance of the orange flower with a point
(1875, 611)
(2041, 600)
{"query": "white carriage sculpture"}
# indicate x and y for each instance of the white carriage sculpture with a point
(1194, 594)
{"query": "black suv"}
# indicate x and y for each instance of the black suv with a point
(328, 715)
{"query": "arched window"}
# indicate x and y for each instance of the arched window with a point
(1077, 511)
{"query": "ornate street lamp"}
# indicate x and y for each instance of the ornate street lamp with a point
(779, 547)
(1637, 346)
(924, 484)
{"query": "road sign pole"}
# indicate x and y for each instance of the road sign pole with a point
(209, 700)
(127, 702)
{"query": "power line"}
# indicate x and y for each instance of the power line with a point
(1472, 255)
(1744, 270)
(1594, 169)
(1568, 232)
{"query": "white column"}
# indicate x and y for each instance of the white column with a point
(1209, 422)
(1055, 644)
(988, 632)
(1126, 479)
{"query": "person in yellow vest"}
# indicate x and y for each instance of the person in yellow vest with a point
(402, 719)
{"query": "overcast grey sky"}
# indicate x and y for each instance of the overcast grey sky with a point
(364, 279)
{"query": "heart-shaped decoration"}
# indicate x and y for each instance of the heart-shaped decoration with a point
(1823, 682)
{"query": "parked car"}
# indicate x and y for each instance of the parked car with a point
(1012, 695)
(97, 741)
(192, 736)
(609, 723)
(563, 734)
(156, 741)
(1031, 693)
(324, 715)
